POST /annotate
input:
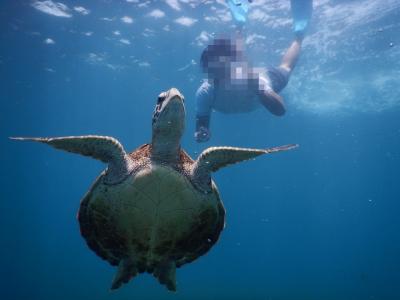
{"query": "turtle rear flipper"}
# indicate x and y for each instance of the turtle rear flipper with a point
(104, 148)
(126, 271)
(166, 274)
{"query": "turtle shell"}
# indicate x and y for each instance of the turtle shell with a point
(154, 215)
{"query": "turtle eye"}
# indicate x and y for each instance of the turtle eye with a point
(161, 98)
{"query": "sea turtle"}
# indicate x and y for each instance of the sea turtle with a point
(154, 209)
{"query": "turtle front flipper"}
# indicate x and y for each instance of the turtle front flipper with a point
(104, 148)
(214, 158)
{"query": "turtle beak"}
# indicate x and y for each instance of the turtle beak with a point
(175, 101)
(169, 114)
(173, 109)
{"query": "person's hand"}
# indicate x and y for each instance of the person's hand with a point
(202, 135)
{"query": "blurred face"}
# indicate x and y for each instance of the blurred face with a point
(219, 56)
(219, 68)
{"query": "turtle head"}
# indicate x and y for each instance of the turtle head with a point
(168, 120)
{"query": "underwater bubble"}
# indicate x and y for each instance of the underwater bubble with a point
(49, 41)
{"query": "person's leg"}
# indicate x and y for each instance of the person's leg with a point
(268, 97)
(292, 54)
(272, 102)
(276, 79)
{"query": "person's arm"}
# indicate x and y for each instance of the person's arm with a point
(204, 102)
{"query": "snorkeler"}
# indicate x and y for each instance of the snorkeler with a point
(233, 85)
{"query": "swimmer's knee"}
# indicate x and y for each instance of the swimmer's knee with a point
(273, 102)
(278, 111)
(286, 68)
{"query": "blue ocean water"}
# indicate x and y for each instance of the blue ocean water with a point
(318, 222)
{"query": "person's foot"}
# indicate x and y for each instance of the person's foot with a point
(273, 102)
(202, 134)
(301, 13)
(238, 10)
(299, 28)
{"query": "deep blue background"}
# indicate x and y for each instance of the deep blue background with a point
(319, 222)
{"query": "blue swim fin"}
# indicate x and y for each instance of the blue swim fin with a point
(301, 13)
(239, 9)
